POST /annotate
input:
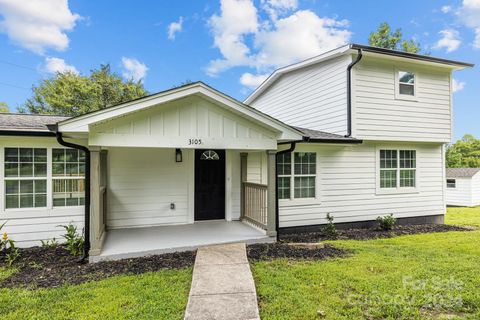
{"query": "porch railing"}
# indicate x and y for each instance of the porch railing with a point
(255, 204)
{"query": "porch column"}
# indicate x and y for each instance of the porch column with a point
(97, 225)
(271, 194)
(243, 178)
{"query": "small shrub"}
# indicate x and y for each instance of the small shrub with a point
(49, 243)
(387, 222)
(8, 248)
(330, 229)
(73, 240)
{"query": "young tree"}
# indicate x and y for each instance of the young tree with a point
(4, 107)
(72, 94)
(385, 38)
(464, 153)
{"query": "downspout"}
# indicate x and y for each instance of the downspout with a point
(277, 215)
(349, 93)
(86, 231)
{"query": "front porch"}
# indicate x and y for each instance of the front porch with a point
(137, 242)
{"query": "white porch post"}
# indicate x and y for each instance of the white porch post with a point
(97, 226)
(243, 178)
(271, 193)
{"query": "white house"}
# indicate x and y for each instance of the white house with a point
(357, 132)
(463, 187)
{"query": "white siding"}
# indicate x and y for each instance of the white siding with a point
(257, 167)
(176, 124)
(313, 97)
(28, 226)
(378, 115)
(346, 186)
(476, 190)
(143, 182)
(461, 195)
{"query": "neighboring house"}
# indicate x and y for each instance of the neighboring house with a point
(357, 132)
(463, 187)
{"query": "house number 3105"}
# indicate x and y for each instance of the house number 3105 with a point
(194, 141)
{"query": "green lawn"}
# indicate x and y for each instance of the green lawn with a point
(158, 295)
(383, 279)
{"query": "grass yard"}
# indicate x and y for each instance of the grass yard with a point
(154, 295)
(429, 276)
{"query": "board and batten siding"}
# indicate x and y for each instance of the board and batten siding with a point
(379, 115)
(347, 186)
(28, 226)
(314, 97)
(192, 122)
(143, 182)
(461, 195)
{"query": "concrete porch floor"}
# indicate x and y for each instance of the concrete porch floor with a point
(138, 242)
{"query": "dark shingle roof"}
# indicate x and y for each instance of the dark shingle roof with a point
(462, 172)
(319, 136)
(27, 122)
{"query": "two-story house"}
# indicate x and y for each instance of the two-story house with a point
(357, 132)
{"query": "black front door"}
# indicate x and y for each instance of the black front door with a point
(209, 184)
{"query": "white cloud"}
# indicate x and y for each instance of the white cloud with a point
(174, 28)
(252, 81)
(133, 69)
(297, 37)
(446, 9)
(54, 65)
(450, 40)
(457, 85)
(37, 25)
(469, 14)
(245, 40)
(238, 18)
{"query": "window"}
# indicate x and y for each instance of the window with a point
(397, 169)
(299, 175)
(451, 183)
(209, 155)
(25, 178)
(406, 83)
(68, 171)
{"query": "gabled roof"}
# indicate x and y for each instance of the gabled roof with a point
(27, 124)
(461, 172)
(353, 49)
(81, 123)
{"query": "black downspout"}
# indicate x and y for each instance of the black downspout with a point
(277, 216)
(86, 231)
(349, 92)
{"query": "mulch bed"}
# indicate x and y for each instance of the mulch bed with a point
(270, 251)
(53, 267)
(372, 233)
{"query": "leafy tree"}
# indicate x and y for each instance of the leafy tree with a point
(4, 107)
(72, 94)
(384, 37)
(465, 153)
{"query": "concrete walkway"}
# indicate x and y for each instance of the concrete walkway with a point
(222, 285)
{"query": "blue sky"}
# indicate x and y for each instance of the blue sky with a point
(230, 44)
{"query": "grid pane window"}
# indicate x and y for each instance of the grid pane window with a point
(298, 174)
(68, 170)
(451, 183)
(398, 168)
(25, 177)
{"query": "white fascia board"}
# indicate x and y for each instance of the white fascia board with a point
(81, 124)
(305, 63)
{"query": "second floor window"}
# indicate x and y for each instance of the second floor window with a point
(406, 83)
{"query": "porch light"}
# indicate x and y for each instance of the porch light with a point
(178, 155)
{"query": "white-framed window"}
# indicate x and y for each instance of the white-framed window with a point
(297, 176)
(68, 177)
(398, 169)
(451, 183)
(25, 177)
(405, 84)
